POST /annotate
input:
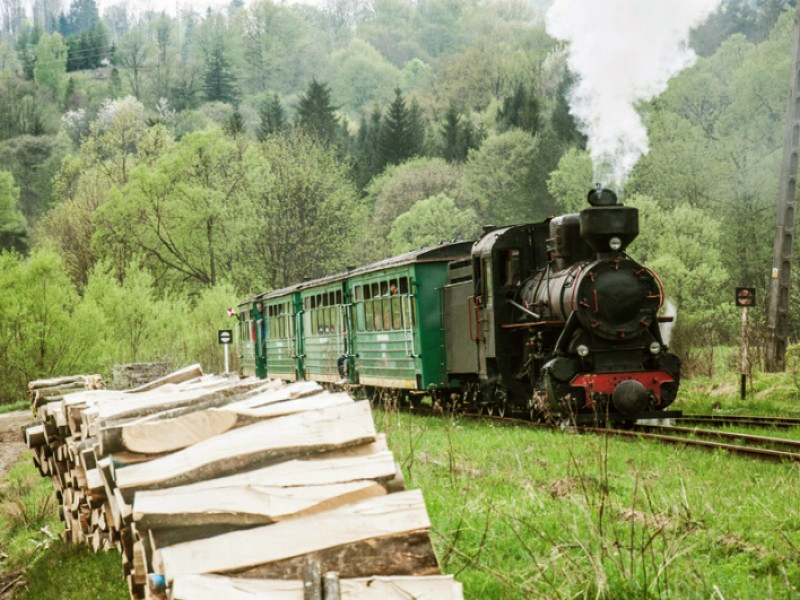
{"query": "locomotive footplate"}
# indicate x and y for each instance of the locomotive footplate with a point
(600, 419)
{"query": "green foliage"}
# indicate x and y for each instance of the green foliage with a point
(572, 180)
(13, 226)
(431, 221)
(43, 331)
(34, 161)
(362, 76)
(51, 62)
(234, 126)
(501, 180)
(20, 111)
(309, 219)
(182, 212)
(400, 187)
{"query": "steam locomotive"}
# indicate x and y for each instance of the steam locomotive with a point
(552, 320)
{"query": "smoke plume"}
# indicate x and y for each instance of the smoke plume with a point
(623, 52)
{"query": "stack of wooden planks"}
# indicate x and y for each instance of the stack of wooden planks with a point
(213, 487)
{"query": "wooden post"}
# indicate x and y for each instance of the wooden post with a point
(781, 279)
(312, 580)
(743, 368)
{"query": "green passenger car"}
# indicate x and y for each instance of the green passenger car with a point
(283, 345)
(380, 325)
(326, 323)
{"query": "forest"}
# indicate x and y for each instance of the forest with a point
(157, 168)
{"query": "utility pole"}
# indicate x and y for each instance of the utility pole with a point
(781, 276)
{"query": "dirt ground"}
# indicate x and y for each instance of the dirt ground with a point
(11, 449)
(11, 444)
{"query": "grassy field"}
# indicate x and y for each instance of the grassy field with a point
(525, 513)
(522, 513)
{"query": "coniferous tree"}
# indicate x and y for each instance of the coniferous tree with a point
(315, 113)
(82, 17)
(520, 110)
(451, 135)
(368, 163)
(564, 125)
(219, 82)
(459, 136)
(273, 118)
(234, 125)
(401, 136)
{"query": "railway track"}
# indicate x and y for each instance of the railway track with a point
(748, 421)
(753, 446)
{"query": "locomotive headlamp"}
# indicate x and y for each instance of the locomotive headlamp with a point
(655, 348)
(615, 243)
(582, 350)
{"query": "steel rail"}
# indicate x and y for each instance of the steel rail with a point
(761, 453)
(782, 422)
(723, 435)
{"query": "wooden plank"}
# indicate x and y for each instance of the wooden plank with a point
(248, 447)
(378, 517)
(215, 587)
(244, 505)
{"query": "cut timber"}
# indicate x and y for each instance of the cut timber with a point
(270, 395)
(377, 467)
(290, 407)
(179, 376)
(168, 435)
(248, 447)
(215, 587)
(173, 434)
(112, 418)
(381, 517)
(244, 505)
(34, 436)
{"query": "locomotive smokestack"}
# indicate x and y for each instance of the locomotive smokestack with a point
(607, 226)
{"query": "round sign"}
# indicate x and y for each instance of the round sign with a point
(225, 336)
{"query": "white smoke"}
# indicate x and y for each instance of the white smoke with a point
(670, 310)
(623, 52)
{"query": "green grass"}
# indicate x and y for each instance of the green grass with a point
(31, 546)
(18, 405)
(65, 572)
(522, 513)
(770, 394)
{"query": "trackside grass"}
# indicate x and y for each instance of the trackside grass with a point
(524, 513)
